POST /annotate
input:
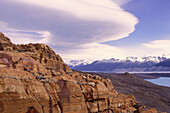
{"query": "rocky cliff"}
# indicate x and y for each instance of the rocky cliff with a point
(33, 79)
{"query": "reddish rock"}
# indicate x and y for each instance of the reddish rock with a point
(140, 108)
(93, 107)
(103, 105)
(32, 110)
(33, 79)
(5, 43)
(45, 55)
(151, 110)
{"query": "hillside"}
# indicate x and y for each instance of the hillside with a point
(165, 63)
(34, 79)
(158, 96)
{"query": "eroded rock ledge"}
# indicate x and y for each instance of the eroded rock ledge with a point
(33, 79)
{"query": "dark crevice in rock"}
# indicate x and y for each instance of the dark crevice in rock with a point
(42, 109)
(50, 101)
(32, 110)
(108, 102)
(60, 106)
(1, 107)
(64, 93)
(98, 106)
(85, 98)
(94, 100)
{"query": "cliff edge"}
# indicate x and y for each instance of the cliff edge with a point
(34, 79)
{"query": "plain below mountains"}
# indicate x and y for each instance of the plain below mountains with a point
(131, 64)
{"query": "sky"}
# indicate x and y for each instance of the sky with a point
(90, 29)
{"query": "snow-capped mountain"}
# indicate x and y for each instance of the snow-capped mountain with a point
(113, 60)
(73, 63)
(129, 64)
(147, 59)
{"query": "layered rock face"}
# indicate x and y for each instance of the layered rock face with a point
(5, 43)
(33, 79)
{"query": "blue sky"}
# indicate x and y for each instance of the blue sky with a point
(154, 22)
(90, 29)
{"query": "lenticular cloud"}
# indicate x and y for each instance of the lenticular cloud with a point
(71, 24)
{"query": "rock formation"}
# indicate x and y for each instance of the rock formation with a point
(33, 79)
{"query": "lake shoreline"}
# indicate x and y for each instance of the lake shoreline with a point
(144, 75)
(143, 90)
(150, 77)
(161, 81)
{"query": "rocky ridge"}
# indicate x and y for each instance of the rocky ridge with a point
(33, 79)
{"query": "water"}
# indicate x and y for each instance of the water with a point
(163, 81)
(132, 72)
(146, 72)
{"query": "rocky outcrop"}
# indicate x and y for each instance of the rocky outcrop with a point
(45, 55)
(33, 79)
(5, 43)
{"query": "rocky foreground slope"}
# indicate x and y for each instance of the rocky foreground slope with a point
(145, 92)
(33, 79)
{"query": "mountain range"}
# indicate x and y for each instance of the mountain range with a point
(150, 63)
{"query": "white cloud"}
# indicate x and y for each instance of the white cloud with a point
(18, 36)
(68, 26)
(121, 2)
(153, 48)
(162, 46)
(95, 51)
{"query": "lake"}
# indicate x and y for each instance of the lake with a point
(163, 81)
(131, 72)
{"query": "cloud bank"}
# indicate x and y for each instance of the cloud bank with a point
(153, 48)
(73, 28)
(161, 46)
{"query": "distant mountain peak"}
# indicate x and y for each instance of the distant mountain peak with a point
(74, 63)
(130, 63)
